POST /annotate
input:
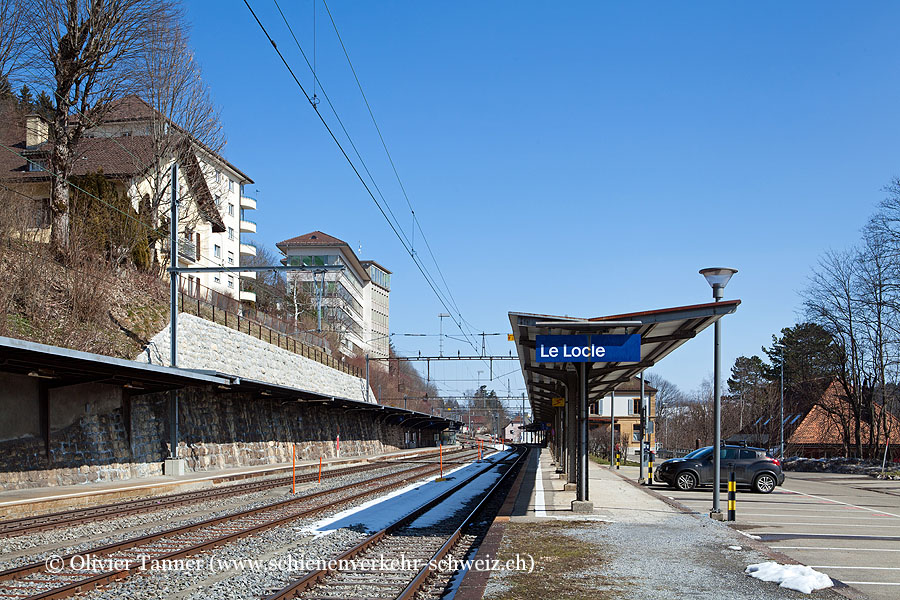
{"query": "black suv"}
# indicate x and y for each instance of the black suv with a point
(751, 466)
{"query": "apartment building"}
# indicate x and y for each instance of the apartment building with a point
(356, 300)
(128, 149)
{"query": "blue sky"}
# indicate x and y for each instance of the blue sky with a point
(581, 158)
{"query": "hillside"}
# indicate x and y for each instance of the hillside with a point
(86, 306)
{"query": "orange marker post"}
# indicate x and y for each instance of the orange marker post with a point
(479, 449)
(293, 469)
(320, 469)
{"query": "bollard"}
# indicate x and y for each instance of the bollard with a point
(650, 470)
(617, 460)
(732, 488)
(293, 469)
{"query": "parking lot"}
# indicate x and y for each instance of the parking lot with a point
(847, 526)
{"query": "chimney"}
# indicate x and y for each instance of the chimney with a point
(37, 130)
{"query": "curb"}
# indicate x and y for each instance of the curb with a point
(840, 587)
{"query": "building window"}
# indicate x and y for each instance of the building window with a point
(40, 214)
(230, 185)
(230, 210)
(231, 282)
(636, 406)
(217, 279)
(217, 251)
(219, 201)
(636, 436)
(218, 176)
(231, 233)
(37, 165)
(230, 257)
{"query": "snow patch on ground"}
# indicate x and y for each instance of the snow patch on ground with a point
(378, 513)
(793, 577)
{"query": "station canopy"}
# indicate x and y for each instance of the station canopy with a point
(661, 331)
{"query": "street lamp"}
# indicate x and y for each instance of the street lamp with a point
(781, 350)
(718, 278)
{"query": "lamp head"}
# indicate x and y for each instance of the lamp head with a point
(718, 278)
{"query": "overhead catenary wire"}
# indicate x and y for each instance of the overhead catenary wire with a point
(390, 158)
(456, 318)
(448, 298)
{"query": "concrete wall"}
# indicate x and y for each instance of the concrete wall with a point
(18, 406)
(203, 344)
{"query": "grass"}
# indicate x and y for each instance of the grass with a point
(605, 461)
(564, 566)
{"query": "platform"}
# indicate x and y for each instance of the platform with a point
(30, 501)
(542, 495)
(633, 545)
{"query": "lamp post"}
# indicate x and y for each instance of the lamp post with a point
(718, 278)
(781, 348)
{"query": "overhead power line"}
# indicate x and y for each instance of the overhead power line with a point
(457, 318)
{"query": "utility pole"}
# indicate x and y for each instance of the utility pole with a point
(173, 310)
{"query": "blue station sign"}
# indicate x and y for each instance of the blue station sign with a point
(588, 348)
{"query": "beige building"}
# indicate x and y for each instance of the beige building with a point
(627, 413)
(356, 299)
(214, 201)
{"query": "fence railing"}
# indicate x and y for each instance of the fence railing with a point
(220, 308)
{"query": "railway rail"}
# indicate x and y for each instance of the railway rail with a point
(415, 550)
(49, 521)
(119, 560)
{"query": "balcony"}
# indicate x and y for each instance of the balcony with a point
(248, 274)
(248, 249)
(248, 202)
(248, 296)
(187, 250)
(248, 226)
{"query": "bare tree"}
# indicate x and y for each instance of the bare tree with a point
(183, 119)
(12, 38)
(88, 53)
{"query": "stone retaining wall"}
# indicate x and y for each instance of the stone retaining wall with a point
(203, 344)
(216, 431)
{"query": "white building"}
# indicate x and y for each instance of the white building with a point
(124, 147)
(356, 299)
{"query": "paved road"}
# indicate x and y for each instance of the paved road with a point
(847, 526)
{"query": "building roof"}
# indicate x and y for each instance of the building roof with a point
(133, 108)
(366, 263)
(822, 425)
(634, 385)
(313, 238)
(117, 158)
(661, 331)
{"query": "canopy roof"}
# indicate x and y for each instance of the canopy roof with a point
(661, 331)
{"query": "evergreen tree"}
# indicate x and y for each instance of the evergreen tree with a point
(26, 100)
(44, 105)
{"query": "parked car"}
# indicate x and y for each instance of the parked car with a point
(752, 466)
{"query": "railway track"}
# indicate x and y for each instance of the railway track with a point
(401, 560)
(49, 521)
(112, 562)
